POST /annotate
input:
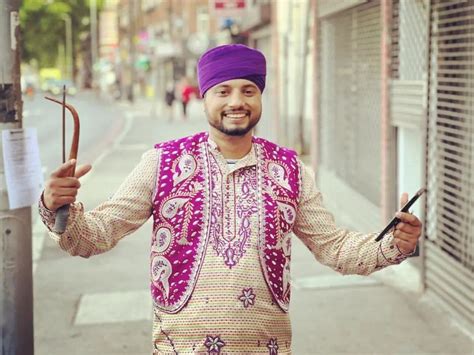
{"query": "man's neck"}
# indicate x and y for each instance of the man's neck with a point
(231, 147)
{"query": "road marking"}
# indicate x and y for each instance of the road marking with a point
(114, 307)
(37, 243)
(127, 147)
(33, 112)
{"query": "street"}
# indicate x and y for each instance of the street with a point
(375, 98)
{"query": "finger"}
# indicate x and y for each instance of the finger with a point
(61, 201)
(405, 236)
(408, 218)
(63, 182)
(405, 247)
(403, 199)
(407, 228)
(82, 170)
(63, 192)
(64, 169)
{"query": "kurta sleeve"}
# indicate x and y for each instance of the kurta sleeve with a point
(99, 230)
(345, 251)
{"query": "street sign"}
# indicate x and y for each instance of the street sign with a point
(227, 7)
(229, 4)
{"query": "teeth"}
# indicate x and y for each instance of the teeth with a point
(236, 115)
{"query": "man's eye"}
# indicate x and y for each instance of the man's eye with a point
(222, 92)
(249, 92)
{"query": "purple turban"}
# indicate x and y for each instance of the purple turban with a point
(231, 61)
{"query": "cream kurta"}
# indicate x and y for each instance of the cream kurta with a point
(231, 309)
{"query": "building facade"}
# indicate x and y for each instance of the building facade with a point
(393, 104)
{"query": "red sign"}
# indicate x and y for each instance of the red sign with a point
(229, 4)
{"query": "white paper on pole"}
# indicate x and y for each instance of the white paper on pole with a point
(22, 166)
(14, 22)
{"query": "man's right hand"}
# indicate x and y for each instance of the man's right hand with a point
(61, 189)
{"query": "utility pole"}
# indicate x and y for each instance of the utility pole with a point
(131, 41)
(68, 37)
(16, 280)
(93, 23)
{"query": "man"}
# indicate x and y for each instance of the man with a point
(224, 204)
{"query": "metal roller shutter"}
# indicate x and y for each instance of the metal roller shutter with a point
(395, 39)
(450, 160)
(350, 105)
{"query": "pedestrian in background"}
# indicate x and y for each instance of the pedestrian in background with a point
(224, 205)
(169, 99)
(188, 92)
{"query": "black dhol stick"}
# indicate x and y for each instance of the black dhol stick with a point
(396, 220)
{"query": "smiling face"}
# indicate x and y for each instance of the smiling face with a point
(233, 107)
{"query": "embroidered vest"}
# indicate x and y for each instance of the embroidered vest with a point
(182, 218)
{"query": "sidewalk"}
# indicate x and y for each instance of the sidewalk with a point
(102, 305)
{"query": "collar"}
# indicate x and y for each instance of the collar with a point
(248, 160)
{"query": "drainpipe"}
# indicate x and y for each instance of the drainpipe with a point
(302, 97)
(424, 207)
(276, 70)
(286, 70)
(314, 144)
(389, 198)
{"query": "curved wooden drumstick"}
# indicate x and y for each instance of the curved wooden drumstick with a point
(62, 212)
(75, 137)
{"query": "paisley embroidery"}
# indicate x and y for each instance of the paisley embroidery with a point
(284, 245)
(279, 187)
(171, 207)
(162, 240)
(288, 212)
(181, 204)
(184, 169)
(160, 273)
(278, 173)
(231, 226)
(192, 205)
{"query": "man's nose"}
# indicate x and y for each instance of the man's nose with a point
(236, 100)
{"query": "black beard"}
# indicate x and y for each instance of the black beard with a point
(234, 132)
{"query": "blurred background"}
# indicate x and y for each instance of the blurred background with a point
(376, 95)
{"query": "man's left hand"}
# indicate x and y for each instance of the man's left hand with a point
(408, 230)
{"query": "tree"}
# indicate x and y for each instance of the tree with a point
(43, 29)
